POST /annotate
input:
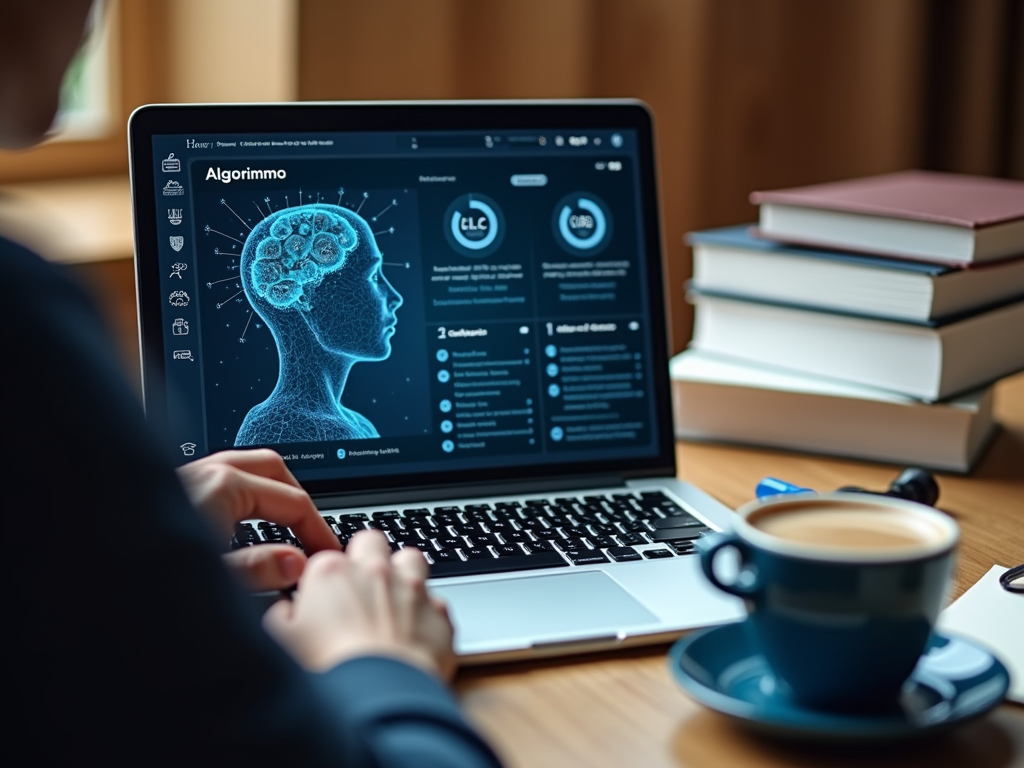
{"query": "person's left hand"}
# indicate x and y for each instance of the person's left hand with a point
(232, 486)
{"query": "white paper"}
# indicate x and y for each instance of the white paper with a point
(993, 617)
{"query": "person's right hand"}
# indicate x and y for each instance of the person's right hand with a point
(364, 603)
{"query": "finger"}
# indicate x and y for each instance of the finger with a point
(268, 566)
(258, 461)
(409, 589)
(278, 617)
(441, 607)
(410, 564)
(256, 496)
(369, 547)
(370, 556)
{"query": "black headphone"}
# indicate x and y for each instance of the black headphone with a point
(913, 484)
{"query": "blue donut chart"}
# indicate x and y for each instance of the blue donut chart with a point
(492, 222)
(600, 225)
(483, 211)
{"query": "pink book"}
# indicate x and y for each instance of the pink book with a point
(942, 217)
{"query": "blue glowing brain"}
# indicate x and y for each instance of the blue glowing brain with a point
(294, 249)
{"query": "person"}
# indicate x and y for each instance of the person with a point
(315, 275)
(128, 641)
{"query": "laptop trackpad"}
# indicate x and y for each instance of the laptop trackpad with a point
(514, 612)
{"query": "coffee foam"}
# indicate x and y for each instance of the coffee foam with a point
(849, 526)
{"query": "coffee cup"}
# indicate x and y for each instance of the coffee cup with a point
(842, 591)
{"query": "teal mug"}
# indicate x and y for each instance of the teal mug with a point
(842, 591)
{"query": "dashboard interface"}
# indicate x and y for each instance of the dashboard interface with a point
(386, 303)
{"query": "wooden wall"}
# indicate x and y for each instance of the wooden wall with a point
(747, 94)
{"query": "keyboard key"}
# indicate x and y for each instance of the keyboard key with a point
(511, 537)
(329, 519)
(564, 544)
(548, 534)
(353, 516)
(534, 547)
(483, 539)
(657, 554)
(501, 526)
(388, 514)
(497, 565)
(585, 556)
(476, 553)
(677, 521)
(422, 546)
(449, 510)
(602, 542)
(675, 534)
(683, 547)
(631, 539)
(404, 536)
(653, 498)
(420, 512)
(446, 519)
(351, 526)
(450, 542)
(445, 556)
(508, 550)
(623, 554)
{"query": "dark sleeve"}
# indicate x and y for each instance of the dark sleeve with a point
(127, 641)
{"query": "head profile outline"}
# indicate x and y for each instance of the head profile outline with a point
(314, 274)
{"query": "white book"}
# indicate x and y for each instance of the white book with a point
(724, 400)
(925, 362)
(729, 260)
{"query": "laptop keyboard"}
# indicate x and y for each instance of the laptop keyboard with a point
(518, 535)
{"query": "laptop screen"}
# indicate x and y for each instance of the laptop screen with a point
(403, 303)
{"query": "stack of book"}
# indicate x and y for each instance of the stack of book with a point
(866, 318)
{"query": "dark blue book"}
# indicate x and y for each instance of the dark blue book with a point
(730, 261)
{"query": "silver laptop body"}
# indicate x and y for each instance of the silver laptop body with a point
(449, 318)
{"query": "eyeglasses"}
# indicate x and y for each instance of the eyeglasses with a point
(1013, 579)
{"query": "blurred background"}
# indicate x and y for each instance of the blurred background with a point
(747, 95)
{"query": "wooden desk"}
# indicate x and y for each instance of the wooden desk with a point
(624, 709)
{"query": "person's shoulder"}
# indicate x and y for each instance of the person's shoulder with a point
(32, 283)
(15, 257)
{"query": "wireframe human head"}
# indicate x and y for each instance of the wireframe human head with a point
(317, 268)
(314, 274)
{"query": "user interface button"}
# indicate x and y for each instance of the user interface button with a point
(529, 180)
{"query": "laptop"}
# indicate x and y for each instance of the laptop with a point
(449, 319)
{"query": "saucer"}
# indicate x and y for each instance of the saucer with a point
(955, 680)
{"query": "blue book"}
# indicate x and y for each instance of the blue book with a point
(731, 262)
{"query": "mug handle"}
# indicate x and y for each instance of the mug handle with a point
(747, 582)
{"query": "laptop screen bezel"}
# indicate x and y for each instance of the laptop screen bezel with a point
(312, 117)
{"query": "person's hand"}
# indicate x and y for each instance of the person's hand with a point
(364, 603)
(231, 486)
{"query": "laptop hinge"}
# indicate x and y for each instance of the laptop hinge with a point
(454, 492)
